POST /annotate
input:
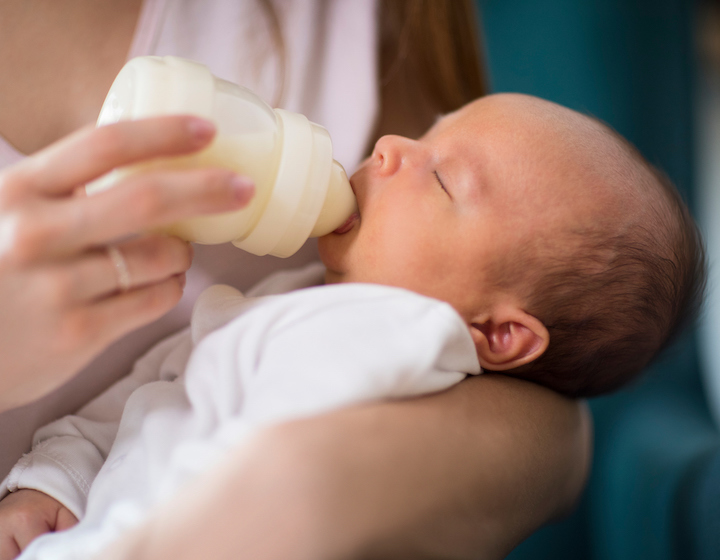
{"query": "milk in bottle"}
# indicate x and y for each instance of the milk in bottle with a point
(300, 191)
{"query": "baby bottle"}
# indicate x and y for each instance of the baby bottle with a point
(300, 191)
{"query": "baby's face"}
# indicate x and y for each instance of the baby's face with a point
(436, 213)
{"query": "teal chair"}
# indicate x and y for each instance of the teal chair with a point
(654, 491)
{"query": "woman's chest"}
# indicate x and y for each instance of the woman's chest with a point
(57, 61)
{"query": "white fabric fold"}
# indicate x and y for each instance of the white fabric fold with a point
(255, 362)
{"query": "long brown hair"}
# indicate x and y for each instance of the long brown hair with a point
(430, 61)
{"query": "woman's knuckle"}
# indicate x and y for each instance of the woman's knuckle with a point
(205, 183)
(215, 176)
(174, 255)
(11, 188)
(151, 256)
(58, 288)
(108, 143)
(75, 218)
(149, 203)
(22, 239)
(220, 179)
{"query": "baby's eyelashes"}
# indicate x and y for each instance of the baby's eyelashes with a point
(442, 186)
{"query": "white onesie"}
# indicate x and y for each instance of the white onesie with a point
(244, 363)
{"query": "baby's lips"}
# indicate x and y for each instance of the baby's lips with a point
(348, 225)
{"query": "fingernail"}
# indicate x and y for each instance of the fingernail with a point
(201, 129)
(242, 187)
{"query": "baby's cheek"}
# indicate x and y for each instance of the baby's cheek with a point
(396, 262)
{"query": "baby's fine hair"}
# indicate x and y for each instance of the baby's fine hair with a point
(620, 299)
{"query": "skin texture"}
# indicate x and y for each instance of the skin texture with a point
(437, 214)
(27, 514)
(74, 50)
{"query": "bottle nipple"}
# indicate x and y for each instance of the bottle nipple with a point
(339, 203)
(311, 195)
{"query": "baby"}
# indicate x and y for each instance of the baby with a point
(515, 236)
(571, 260)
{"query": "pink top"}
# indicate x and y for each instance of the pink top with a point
(330, 76)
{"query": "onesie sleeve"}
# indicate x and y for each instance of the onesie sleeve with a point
(327, 347)
(67, 454)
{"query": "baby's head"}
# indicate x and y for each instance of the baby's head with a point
(571, 259)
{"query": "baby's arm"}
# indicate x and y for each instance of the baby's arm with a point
(324, 348)
(68, 453)
(27, 514)
(356, 344)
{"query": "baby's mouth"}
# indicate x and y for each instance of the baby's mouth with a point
(348, 225)
(354, 217)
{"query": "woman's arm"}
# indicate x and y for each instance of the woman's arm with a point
(467, 473)
(59, 285)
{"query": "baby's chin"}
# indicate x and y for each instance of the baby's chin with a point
(334, 249)
(332, 254)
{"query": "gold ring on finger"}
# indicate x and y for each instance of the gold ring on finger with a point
(121, 267)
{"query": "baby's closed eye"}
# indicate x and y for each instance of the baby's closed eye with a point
(442, 186)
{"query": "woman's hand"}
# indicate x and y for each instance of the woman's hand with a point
(64, 296)
(27, 514)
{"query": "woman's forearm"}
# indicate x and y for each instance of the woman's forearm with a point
(481, 468)
(464, 474)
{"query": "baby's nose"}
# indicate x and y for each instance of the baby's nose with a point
(390, 151)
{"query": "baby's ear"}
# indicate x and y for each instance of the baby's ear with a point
(508, 337)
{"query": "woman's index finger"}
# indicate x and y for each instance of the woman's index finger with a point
(91, 152)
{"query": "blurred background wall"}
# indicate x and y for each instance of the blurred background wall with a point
(655, 487)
